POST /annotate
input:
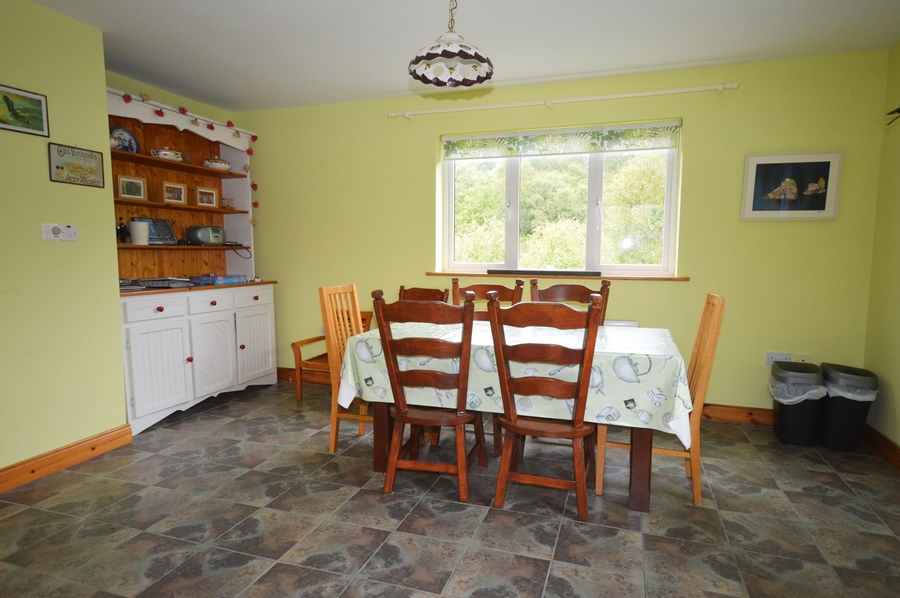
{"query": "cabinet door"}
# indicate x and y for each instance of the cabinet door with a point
(160, 371)
(213, 342)
(256, 342)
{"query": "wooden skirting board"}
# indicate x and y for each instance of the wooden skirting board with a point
(29, 470)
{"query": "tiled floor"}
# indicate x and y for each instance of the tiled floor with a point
(238, 497)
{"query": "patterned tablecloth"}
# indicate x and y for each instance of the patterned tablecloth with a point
(638, 378)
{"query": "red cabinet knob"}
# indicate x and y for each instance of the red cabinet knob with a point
(190, 360)
(243, 346)
(256, 297)
(213, 302)
(160, 308)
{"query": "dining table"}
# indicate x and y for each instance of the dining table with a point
(638, 379)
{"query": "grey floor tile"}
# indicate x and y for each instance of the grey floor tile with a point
(267, 533)
(572, 581)
(691, 564)
(414, 562)
(767, 575)
(520, 533)
(337, 547)
(483, 572)
(213, 572)
(296, 582)
(864, 551)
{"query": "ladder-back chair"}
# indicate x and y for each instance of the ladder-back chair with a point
(574, 293)
(440, 377)
(420, 294)
(516, 427)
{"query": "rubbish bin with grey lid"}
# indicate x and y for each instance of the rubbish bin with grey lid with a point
(843, 412)
(796, 388)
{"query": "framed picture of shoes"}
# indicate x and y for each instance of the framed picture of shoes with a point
(791, 186)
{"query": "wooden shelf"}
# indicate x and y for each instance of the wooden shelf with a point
(174, 206)
(129, 246)
(123, 156)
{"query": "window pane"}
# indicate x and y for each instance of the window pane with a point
(634, 196)
(479, 215)
(553, 212)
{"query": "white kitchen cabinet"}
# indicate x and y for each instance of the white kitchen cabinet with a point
(213, 342)
(256, 342)
(187, 345)
(157, 355)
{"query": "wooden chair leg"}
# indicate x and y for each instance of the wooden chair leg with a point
(414, 432)
(503, 474)
(600, 459)
(363, 410)
(695, 472)
(580, 478)
(498, 435)
(479, 441)
(462, 463)
(299, 385)
(390, 475)
(335, 423)
(435, 436)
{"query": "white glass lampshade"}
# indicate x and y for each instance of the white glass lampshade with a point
(451, 62)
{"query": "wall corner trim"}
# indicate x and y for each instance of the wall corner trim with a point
(21, 473)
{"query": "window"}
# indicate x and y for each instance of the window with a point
(601, 199)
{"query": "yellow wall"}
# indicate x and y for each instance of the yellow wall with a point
(348, 195)
(883, 333)
(60, 346)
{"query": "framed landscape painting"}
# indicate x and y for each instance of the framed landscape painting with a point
(791, 186)
(23, 111)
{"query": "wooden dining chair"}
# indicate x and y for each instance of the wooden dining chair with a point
(315, 369)
(573, 293)
(342, 319)
(420, 294)
(442, 380)
(698, 373)
(506, 294)
(516, 427)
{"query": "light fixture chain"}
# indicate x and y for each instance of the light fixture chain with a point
(452, 21)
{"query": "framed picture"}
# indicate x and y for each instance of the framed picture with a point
(23, 111)
(174, 193)
(791, 186)
(75, 166)
(131, 187)
(206, 197)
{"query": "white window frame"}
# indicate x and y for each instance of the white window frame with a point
(594, 258)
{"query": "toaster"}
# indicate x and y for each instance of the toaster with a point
(205, 235)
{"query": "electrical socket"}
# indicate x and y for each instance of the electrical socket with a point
(803, 357)
(772, 357)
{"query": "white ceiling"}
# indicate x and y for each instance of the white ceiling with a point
(251, 55)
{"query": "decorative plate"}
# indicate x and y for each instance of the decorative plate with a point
(127, 141)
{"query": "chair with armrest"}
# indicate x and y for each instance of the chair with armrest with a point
(342, 319)
(699, 369)
(440, 378)
(315, 369)
(505, 294)
(574, 293)
(516, 427)
(420, 294)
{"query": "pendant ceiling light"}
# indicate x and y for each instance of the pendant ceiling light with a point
(450, 61)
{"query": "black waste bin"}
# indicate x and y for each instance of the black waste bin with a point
(843, 412)
(796, 388)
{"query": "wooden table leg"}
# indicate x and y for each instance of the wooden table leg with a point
(641, 460)
(381, 413)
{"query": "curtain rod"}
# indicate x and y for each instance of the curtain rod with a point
(719, 89)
